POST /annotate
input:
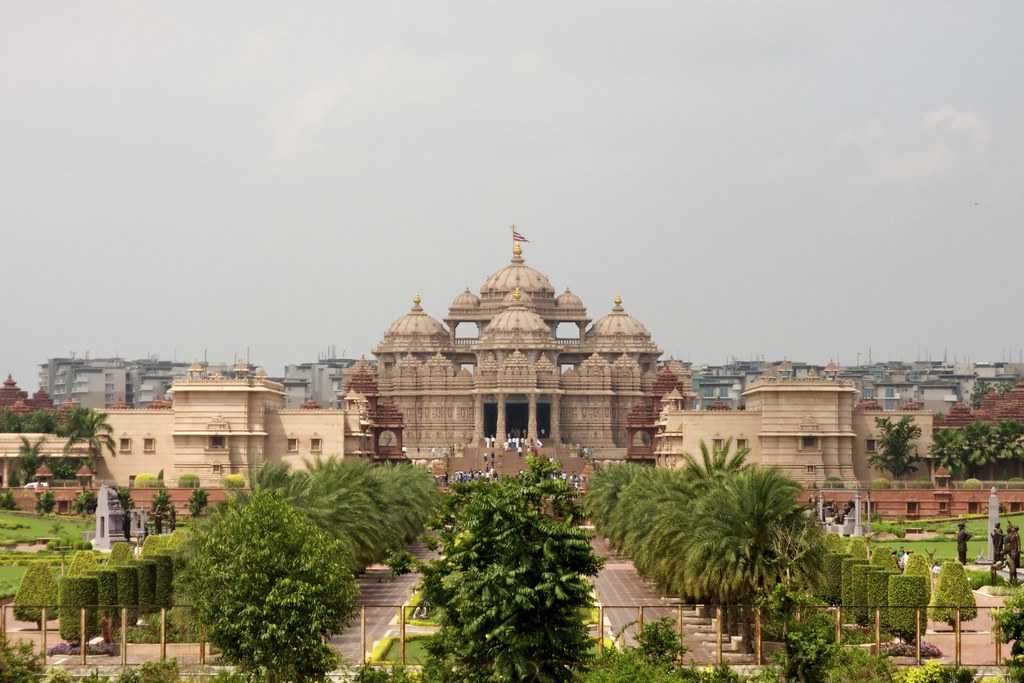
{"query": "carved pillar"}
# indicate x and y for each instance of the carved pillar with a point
(500, 432)
(556, 419)
(531, 424)
(478, 419)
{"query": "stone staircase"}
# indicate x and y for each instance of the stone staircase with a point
(700, 635)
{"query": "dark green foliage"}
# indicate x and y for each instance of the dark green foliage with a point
(120, 554)
(146, 572)
(858, 548)
(809, 649)
(511, 582)
(1009, 624)
(188, 481)
(919, 565)
(162, 591)
(18, 662)
(896, 453)
(106, 595)
(884, 558)
(84, 503)
(164, 672)
(128, 590)
(197, 502)
(401, 562)
(832, 586)
(859, 593)
(848, 564)
(77, 592)
(7, 500)
(45, 503)
(857, 665)
(878, 595)
(38, 589)
(905, 593)
(269, 586)
(658, 641)
(952, 591)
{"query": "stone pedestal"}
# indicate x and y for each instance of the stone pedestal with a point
(109, 519)
(993, 519)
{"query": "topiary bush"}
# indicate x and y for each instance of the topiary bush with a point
(83, 563)
(147, 585)
(883, 558)
(233, 482)
(906, 593)
(106, 595)
(859, 592)
(147, 481)
(832, 587)
(153, 545)
(878, 595)
(188, 481)
(162, 591)
(858, 548)
(834, 543)
(972, 484)
(918, 564)
(880, 483)
(176, 539)
(120, 554)
(77, 592)
(952, 591)
(128, 590)
(848, 564)
(38, 589)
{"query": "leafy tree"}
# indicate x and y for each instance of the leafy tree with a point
(1010, 628)
(270, 587)
(659, 642)
(716, 461)
(84, 503)
(90, 427)
(7, 500)
(197, 502)
(39, 422)
(18, 662)
(45, 503)
(512, 580)
(29, 457)
(895, 452)
(63, 468)
(10, 422)
(401, 562)
(162, 503)
(983, 389)
(953, 590)
(967, 450)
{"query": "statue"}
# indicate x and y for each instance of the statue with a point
(174, 519)
(962, 536)
(158, 521)
(997, 544)
(1013, 551)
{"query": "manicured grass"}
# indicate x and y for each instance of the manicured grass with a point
(10, 579)
(944, 549)
(978, 526)
(415, 651)
(19, 527)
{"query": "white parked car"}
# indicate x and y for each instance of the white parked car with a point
(37, 485)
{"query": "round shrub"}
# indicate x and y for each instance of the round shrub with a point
(147, 481)
(848, 564)
(906, 593)
(972, 484)
(120, 554)
(233, 482)
(38, 589)
(834, 543)
(106, 595)
(858, 548)
(883, 558)
(147, 585)
(832, 586)
(188, 481)
(878, 595)
(919, 565)
(952, 591)
(880, 483)
(128, 590)
(176, 539)
(153, 545)
(162, 592)
(77, 592)
(83, 563)
(859, 592)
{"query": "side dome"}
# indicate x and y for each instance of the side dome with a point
(517, 274)
(620, 331)
(466, 299)
(568, 300)
(416, 331)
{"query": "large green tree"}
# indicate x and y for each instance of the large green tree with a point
(270, 587)
(512, 582)
(29, 457)
(90, 427)
(716, 461)
(895, 452)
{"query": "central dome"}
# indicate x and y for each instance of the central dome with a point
(517, 322)
(517, 274)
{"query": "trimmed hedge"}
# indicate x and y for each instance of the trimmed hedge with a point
(38, 589)
(952, 591)
(77, 592)
(233, 481)
(82, 564)
(832, 587)
(128, 590)
(176, 539)
(153, 545)
(973, 485)
(120, 554)
(906, 593)
(883, 558)
(188, 481)
(919, 565)
(147, 585)
(880, 483)
(147, 481)
(834, 543)
(859, 592)
(859, 548)
(106, 595)
(848, 564)
(878, 595)
(163, 590)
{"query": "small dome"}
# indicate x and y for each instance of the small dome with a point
(618, 323)
(568, 300)
(466, 300)
(416, 323)
(517, 274)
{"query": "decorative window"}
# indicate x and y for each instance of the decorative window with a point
(218, 443)
(809, 443)
(1015, 507)
(911, 507)
(717, 444)
(125, 446)
(973, 508)
(316, 445)
(218, 469)
(811, 469)
(871, 446)
(943, 507)
(149, 445)
(741, 443)
(293, 445)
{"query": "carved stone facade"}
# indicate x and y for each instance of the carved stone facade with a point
(516, 377)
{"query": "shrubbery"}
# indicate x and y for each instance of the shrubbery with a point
(153, 545)
(147, 481)
(162, 592)
(146, 573)
(106, 595)
(919, 565)
(832, 586)
(38, 589)
(858, 548)
(905, 593)
(973, 484)
(188, 481)
(952, 591)
(45, 503)
(233, 482)
(884, 558)
(128, 590)
(880, 483)
(858, 607)
(77, 592)
(120, 554)
(878, 595)
(83, 562)
(848, 564)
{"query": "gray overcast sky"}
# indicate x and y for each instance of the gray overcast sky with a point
(779, 178)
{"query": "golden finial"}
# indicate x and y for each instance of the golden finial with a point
(416, 300)
(618, 299)
(516, 249)
(516, 294)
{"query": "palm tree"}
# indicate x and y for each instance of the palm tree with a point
(89, 427)
(29, 457)
(716, 461)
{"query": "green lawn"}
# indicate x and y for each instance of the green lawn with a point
(942, 548)
(10, 579)
(18, 527)
(977, 526)
(415, 651)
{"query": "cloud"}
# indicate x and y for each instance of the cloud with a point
(949, 120)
